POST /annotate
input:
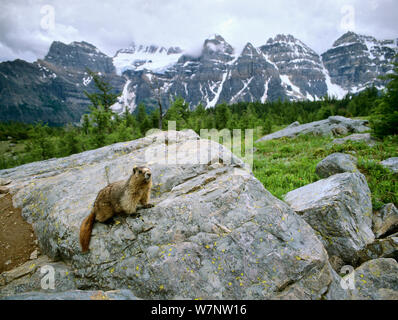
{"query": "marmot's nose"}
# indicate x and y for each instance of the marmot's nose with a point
(147, 175)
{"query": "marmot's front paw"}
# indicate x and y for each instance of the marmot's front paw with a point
(148, 205)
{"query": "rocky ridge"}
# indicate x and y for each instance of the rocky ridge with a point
(52, 89)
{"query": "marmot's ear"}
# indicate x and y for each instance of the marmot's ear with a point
(134, 169)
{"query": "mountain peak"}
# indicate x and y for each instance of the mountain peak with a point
(134, 48)
(83, 44)
(217, 43)
(352, 37)
(216, 37)
(249, 49)
(79, 55)
(348, 37)
(285, 38)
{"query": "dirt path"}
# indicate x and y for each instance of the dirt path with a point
(17, 239)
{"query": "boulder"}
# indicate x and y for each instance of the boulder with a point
(376, 280)
(29, 276)
(75, 295)
(358, 137)
(350, 124)
(385, 221)
(336, 291)
(336, 163)
(340, 131)
(333, 125)
(215, 232)
(339, 208)
(391, 164)
(380, 248)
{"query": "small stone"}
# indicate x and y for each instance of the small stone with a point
(33, 255)
(391, 164)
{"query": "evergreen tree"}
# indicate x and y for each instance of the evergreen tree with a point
(143, 119)
(386, 122)
(104, 96)
(101, 113)
(86, 124)
(40, 145)
(179, 112)
(70, 143)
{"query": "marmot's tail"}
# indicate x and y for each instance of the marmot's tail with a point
(85, 231)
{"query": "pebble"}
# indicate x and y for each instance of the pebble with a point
(33, 255)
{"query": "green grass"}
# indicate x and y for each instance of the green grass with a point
(287, 164)
(7, 149)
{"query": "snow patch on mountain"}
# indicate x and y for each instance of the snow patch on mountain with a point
(126, 99)
(153, 58)
(334, 90)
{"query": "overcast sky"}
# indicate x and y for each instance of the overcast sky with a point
(27, 27)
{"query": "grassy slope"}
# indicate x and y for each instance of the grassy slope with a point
(287, 164)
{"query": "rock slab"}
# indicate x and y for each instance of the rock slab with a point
(376, 280)
(336, 163)
(391, 164)
(334, 125)
(339, 208)
(385, 221)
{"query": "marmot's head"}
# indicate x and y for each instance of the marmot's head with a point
(142, 174)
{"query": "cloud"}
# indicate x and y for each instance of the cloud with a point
(29, 26)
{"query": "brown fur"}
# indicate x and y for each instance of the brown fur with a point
(118, 197)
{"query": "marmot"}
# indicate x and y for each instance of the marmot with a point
(118, 197)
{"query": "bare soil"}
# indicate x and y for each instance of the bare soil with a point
(17, 238)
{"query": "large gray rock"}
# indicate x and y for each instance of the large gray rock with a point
(339, 208)
(214, 233)
(358, 137)
(336, 163)
(391, 164)
(332, 125)
(380, 248)
(385, 220)
(376, 280)
(29, 277)
(336, 291)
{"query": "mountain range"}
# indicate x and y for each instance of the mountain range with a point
(52, 89)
